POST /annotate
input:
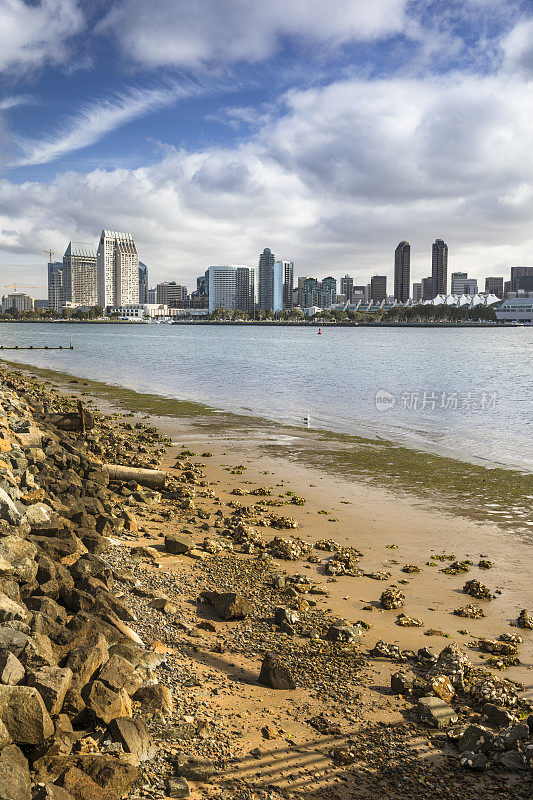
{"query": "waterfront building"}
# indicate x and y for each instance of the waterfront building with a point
(506, 288)
(284, 275)
(360, 293)
(301, 281)
(310, 293)
(143, 283)
(439, 266)
(151, 295)
(231, 288)
(347, 287)
(295, 297)
(328, 292)
(170, 293)
(462, 284)
(378, 288)
(266, 280)
(494, 285)
(427, 289)
(417, 292)
(202, 286)
(402, 272)
(517, 307)
(517, 273)
(79, 274)
(55, 285)
(19, 301)
(40, 305)
(117, 267)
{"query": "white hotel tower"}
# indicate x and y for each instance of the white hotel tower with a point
(117, 266)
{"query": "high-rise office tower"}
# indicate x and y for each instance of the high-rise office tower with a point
(517, 273)
(417, 292)
(494, 285)
(55, 285)
(143, 283)
(328, 292)
(347, 288)
(458, 281)
(287, 281)
(266, 280)
(171, 294)
(79, 274)
(310, 292)
(427, 289)
(402, 272)
(117, 265)
(439, 267)
(378, 288)
(231, 288)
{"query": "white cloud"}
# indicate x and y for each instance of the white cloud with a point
(32, 35)
(335, 180)
(88, 125)
(194, 32)
(518, 48)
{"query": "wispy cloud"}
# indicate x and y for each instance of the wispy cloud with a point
(94, 121)
(14, 100)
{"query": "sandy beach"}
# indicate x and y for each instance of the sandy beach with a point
(264, 736)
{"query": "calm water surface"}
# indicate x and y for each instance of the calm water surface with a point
(463, 392)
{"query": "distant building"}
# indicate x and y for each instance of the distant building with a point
(266, 280)
(506, 288)
(202, 286)
(117, 265)
(462, 284)
(310, 293)
(524, 284)
(301, 281)
(347, 288)
(231, 288)
(55, 285)
(19, 301)
(402, 272)
(428, 289)
(295, 297)
(417, 292)
(378, 288)
(439, 267)
(287, 282)
(143, 283)
(171, 294)
(517, 307)
(151, 295)
(40, 305)
(494, 285)
(328, 292)
(360, 293)
(79, 274)
(517, 273)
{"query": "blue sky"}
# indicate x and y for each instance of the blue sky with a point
(328, 130)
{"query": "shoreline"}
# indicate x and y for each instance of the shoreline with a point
(224, 657)
(282, 323)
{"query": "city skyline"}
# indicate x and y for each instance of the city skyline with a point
(326, 132)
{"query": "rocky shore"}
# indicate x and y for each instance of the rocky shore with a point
(162, 635)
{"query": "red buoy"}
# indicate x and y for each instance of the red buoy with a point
(319, 330)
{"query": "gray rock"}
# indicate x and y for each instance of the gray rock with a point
(476, 738)
(435, 712)
(275, 673)
(14, 775)
(133, 736)
(177, 787)
(475, 761)
(178, 543)
(11, 670)
(24, 714)
(42, 518)
(52, 683)
(513, 761)
(195, 769)
(343, 632)
(282, 614)
(228, 605)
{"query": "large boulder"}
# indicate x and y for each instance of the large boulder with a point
(275, 673)
(228, 605)
(24, 714)
(11, 670)
(133, 735)
(105, 704)
(84, 661)
(118, 673)
(178, 543)
(52, 683)
(14, 774)
(154, 699)
(11, 610)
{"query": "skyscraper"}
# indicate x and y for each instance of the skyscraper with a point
(328, 292)
(310, 292)
(347, 288)
(143, 283)
(417, 292)
(287, 280)
(171, 294)
(439, 267)
(79, 274)
(117, 265)
(494, 285)
(458, 282)
(427, 289)
(266, 280)
(517, 273)
(378, 288)
(55, 285)
(231, 288)
(402, 272)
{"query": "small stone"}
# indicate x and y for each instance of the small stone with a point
(392, 598)
(195, 769)
(476, 738)
(475, 761)
(525, 620)
(178, 543)
(436, 712)
(228, 605)
(177, 787)
(275, 673)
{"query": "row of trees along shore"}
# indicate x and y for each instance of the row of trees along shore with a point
(411, 314)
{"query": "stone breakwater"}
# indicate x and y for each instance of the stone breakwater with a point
(94, 694)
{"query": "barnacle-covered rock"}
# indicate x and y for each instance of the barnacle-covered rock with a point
(476, 589)
(290, 549)
(470, 612)
(392, 598)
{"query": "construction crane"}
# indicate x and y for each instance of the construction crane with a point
(14, 286)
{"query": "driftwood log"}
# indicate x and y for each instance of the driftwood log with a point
(153, 478)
